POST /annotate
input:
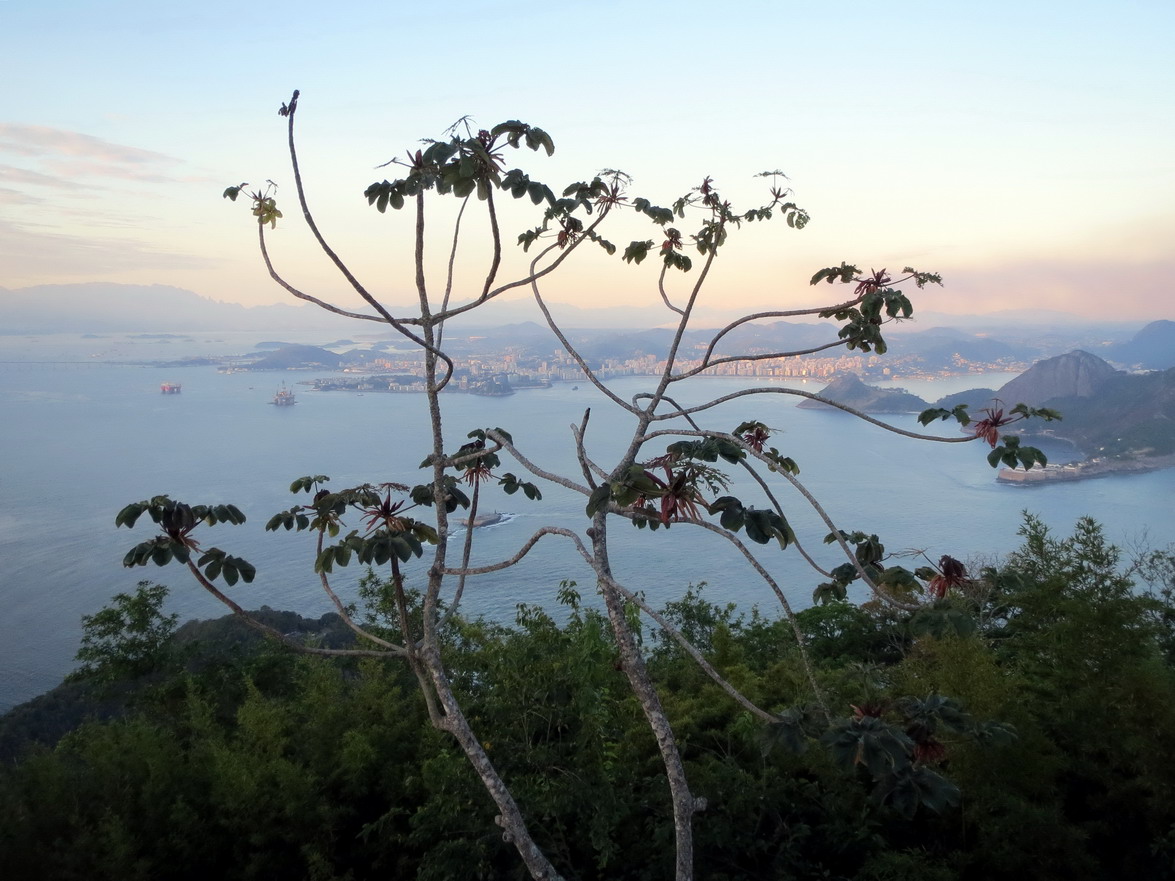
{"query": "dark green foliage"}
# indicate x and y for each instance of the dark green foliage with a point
(1027, 744)
(129, 638)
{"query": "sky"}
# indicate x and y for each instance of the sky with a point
(1025, 150)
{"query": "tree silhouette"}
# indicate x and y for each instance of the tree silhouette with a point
(669, 475)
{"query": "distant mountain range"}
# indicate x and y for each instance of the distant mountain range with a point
(105, 308)
(1012, 338)
(1106, 412)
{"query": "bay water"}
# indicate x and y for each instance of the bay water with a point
(84, 431)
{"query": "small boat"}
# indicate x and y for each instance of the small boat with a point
(170, 388)
(484, 520)
(284, 397)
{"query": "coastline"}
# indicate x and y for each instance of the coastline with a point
(1084, 470)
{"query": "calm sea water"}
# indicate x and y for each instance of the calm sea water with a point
(80, 437)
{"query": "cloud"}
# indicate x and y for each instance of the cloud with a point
(12, 174)
(16, 197)
(60, 158)
(78, 193)
(38, 257)
(39, 140)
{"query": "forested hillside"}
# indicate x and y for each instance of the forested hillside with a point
(1012, 728)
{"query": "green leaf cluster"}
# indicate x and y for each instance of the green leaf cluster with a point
(376, 549)
(463, 166)
(761, 524)
(1013, 455)
(1048, 718)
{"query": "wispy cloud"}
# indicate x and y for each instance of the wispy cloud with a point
(39, 140)
(12, 174)
(10, 196)
(32, 255)
(85, 202)
(56, 157)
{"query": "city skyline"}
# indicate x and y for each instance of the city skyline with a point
(1021, 154)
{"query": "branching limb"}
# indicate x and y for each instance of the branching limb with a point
(783, 601)
(584, 369)
(523, 551)
(682, 324)
(698, 408)
(532, 278)
(496, 235)
(664, 295)
(693, 652)
(449, 269)
(334, 258)
(342, 609)
(707, 363)
(434, 713)
(534, 469)
(301, 295)
(466, 551)
(844, 546)
(510, 819)
(790, 313)
(633, 663)
(586, 466)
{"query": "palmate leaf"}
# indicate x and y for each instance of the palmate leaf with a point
(958, 413)
(599, 499)
(309, 483)
(511, 484)
(761, 524)
(906, 788)
(422, 494)
(657, 214)
(732, 511)
(781, 463)
(294, 518)
(869, 741)
(844, 273)
(934, 710)
(787, 732)
(215, 564)
(1011, 454)
(637, 251)
(159, 550)
(828, 592)
(709, 450)
(130, 514)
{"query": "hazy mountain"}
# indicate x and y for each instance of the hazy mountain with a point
(975, 399)
(850, 391)
(1105, 412)
(1153, 347)
(940, 346)
(618, 331)
(100, 307)
(1074, 375)
(1129, 413)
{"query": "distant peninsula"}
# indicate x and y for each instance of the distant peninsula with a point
(1121, 422)
(848, 389)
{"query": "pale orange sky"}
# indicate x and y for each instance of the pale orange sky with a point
(1022, 153)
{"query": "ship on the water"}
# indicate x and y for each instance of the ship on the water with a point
(484, 520)
(170, 388)
(284, 397)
